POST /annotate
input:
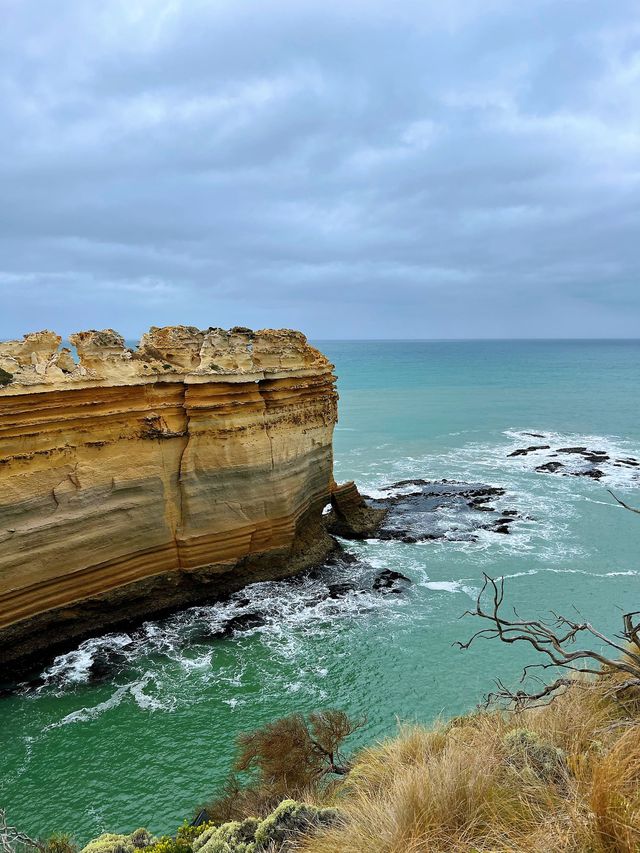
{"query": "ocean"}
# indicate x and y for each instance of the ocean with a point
(153, 737)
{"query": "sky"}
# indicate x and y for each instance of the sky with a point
(350, 168)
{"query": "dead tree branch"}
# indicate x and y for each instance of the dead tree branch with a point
(12, 840)
(555, 640)
(622, 503)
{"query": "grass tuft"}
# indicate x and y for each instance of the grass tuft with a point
(564, 778)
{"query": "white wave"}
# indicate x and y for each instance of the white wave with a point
(445, 586)
(286, 613)
(616, 448)
(150, 703)
(84, 715)
(75, 667)
(521, 574)
(134, 689)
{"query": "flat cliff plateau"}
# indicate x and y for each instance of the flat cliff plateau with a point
(134, 481)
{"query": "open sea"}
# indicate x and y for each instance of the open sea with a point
(153, 737)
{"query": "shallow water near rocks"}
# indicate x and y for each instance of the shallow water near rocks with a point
(137, 728)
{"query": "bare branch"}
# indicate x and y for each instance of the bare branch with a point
(556, 641)
(11, 839)
(622, 503)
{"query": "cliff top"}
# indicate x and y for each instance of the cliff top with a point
(102, 356)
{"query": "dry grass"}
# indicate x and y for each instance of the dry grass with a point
(574, 787)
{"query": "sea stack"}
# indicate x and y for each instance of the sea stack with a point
(136, 480)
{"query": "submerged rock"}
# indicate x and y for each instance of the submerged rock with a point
(523, 451)
(576, 461)
(338, 590)
(105, 662)
(551, 467)
(629, 463)
(243, 622)
(390, 581)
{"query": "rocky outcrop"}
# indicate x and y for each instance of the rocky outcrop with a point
(135, 480)
(576, 461)
(350, 515)
(419, 511)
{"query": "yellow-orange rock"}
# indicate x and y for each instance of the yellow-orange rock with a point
(136, 480)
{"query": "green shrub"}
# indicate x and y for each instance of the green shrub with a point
(187, 839)
(526, 751)
(204, 836)
(232, 837)
(110, 842)
(168, 844)
(289, 820)
(190, 833)
(240, 832)
(5, 377)
(141, 838)
(59, 843)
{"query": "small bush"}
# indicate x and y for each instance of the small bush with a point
(289, 820)
(5, 377)
(233, 837)
(110, 842)
(141, 838)
(527, 752)
(295, 757)
(188, 838)
(60, 843)
(287, 823)
(202, 834)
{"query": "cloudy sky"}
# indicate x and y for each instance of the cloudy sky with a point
(352, 168)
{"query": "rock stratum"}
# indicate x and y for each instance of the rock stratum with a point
(135, 480)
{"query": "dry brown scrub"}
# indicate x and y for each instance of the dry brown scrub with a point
(564, 778)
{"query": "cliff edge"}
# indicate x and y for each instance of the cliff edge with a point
(134, 480)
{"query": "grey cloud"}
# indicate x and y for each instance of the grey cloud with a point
(414, 169)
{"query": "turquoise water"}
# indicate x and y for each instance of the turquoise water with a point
(154, 739)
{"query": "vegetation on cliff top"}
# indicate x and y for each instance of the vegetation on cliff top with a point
(560, 778)
(563, 778)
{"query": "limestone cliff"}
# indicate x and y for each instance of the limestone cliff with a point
(135, 480)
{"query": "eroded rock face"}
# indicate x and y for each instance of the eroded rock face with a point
(136, 480)
(350, 515)
(38, 359)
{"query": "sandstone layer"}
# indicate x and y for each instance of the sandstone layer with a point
(132, 481)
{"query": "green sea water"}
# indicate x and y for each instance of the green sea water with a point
(154, 738)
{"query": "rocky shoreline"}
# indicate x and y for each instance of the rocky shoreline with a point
(574, 461)
(415, 511)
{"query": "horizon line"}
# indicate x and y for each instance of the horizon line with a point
(472, 340)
